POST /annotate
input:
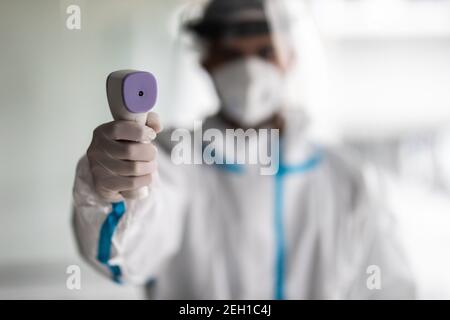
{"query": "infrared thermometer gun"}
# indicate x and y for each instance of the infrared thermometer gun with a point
(131, 95)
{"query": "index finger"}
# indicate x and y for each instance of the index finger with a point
(127, 130)
(154, 122)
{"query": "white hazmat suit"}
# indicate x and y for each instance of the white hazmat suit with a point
(315, 230)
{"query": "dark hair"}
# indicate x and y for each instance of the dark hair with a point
(221, 19)
(216, 30)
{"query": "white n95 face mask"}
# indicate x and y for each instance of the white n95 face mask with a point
(251, 90)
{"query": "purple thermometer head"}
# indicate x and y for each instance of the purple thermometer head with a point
(139, 91)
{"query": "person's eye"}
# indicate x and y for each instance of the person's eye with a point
(229, 54)
(266, 53)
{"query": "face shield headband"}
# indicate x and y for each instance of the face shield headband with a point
(211, 30)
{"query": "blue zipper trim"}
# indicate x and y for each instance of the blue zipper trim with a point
(228, 167)
(306, 166)
(233, 168)
(279, 239)
(280, 245)
(105, 240)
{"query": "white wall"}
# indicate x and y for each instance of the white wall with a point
(395, 84)
(388, 64)
(52, 95)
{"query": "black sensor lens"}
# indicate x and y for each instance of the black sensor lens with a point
(141, 93)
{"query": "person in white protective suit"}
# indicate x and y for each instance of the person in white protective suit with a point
(314, 230)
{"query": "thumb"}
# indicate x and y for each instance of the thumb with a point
(153, 122)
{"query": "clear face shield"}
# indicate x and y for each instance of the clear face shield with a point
(288, 25)
(192, 95)
(299, 45)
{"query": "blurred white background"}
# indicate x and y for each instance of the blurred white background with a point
(387, 71)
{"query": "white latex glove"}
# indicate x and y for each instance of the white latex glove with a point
(122, 156)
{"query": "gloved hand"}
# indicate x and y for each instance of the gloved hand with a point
(122, 156)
